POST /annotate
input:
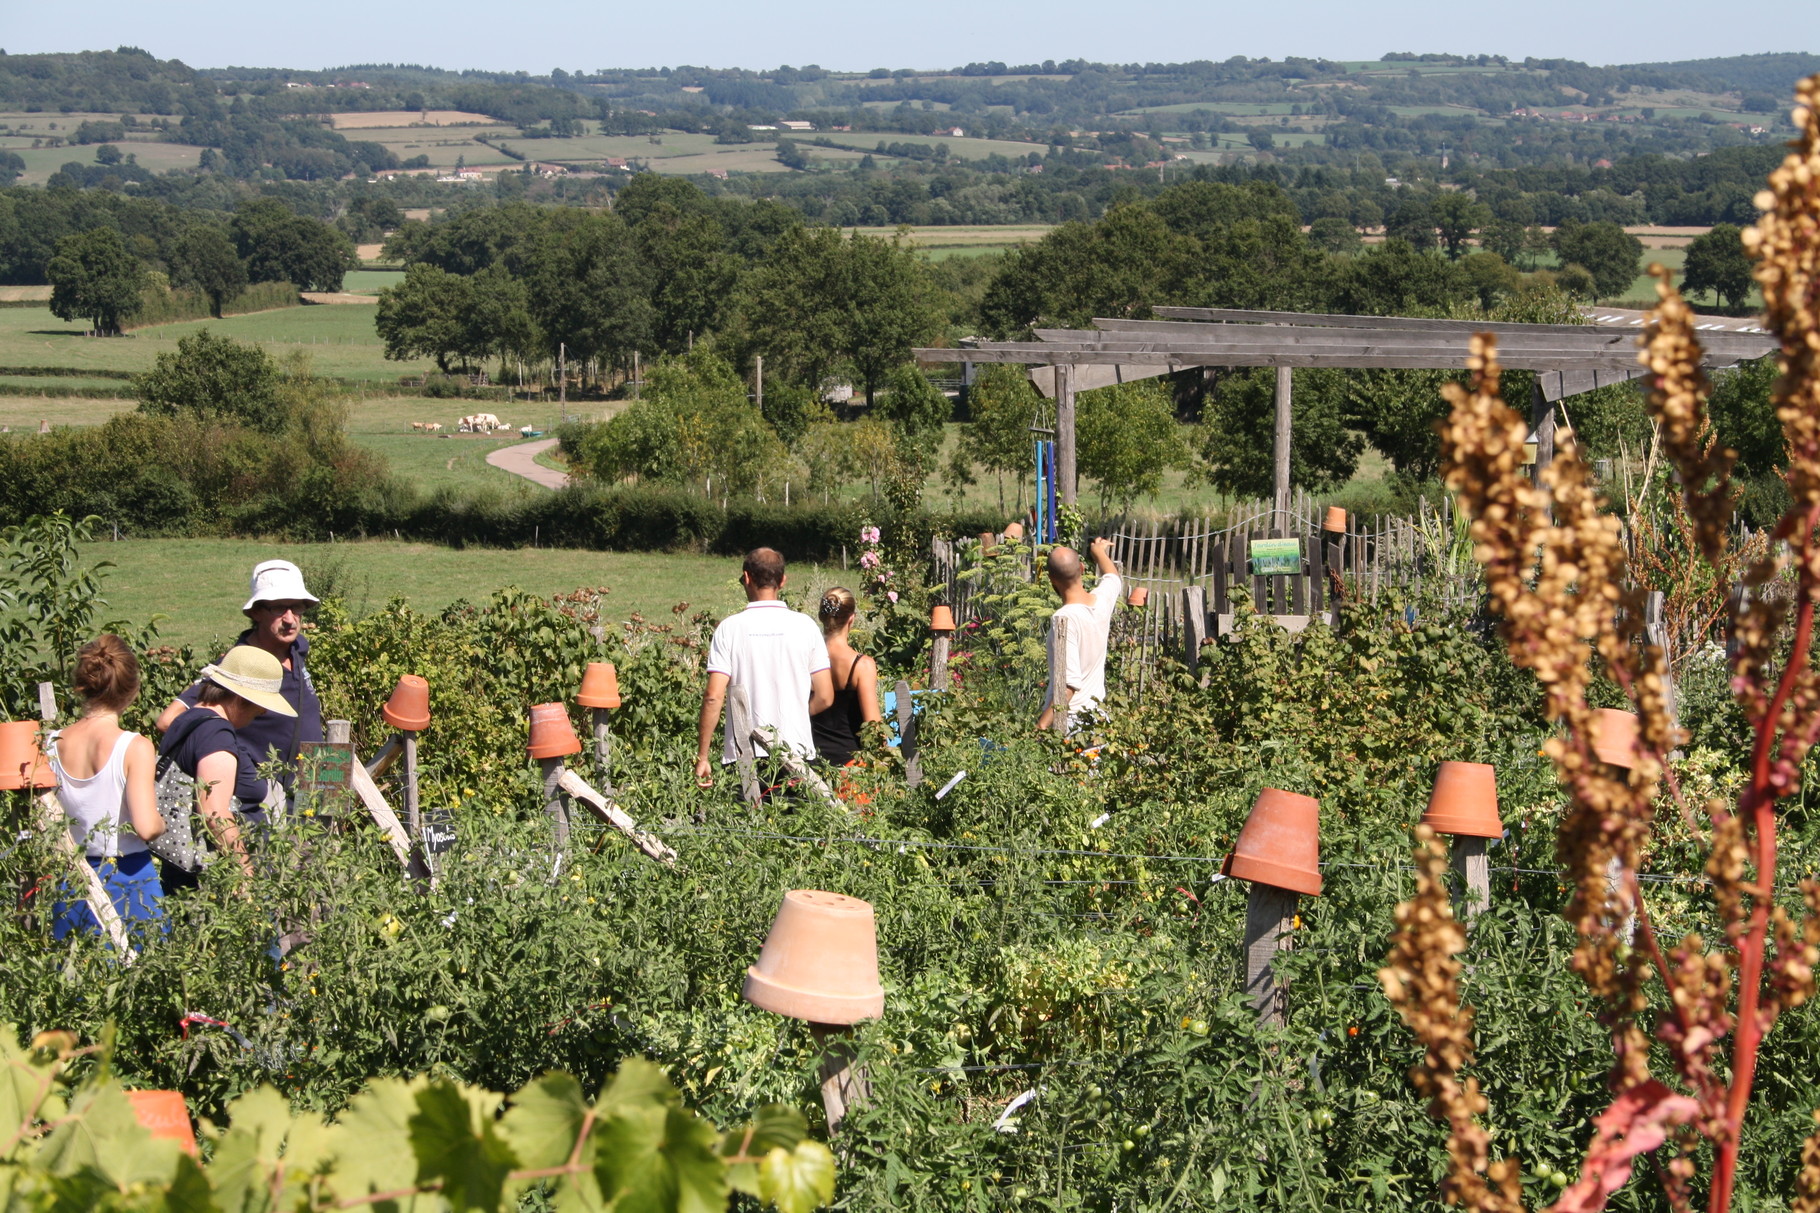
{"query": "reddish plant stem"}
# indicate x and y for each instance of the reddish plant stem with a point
(1759, 801)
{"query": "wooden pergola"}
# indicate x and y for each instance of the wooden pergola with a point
(1568, 358)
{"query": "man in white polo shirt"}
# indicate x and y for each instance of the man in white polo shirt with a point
(776, 655)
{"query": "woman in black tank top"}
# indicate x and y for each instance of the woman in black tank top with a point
(855, 675)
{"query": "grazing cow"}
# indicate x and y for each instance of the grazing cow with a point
(432, 426)
(420, 425)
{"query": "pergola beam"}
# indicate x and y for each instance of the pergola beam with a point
(1030, 355)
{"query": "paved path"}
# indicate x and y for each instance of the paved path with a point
(520, 459)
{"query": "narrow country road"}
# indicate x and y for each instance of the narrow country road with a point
(521, 460)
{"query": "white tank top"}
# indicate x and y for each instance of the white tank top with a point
(93, 805)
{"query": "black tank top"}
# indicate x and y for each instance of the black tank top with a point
(836, 731)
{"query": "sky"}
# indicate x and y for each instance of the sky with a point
(539, 35)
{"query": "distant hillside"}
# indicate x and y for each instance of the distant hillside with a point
(1775, 73)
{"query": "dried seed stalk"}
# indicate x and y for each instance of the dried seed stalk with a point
(1422, 980)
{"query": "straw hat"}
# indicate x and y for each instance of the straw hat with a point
(277, 581)
(254, 675)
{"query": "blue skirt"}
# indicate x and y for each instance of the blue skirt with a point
(132, 885)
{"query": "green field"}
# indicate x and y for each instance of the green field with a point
(199, 583)
(41, 162)
(963, 148)
(339, 340)
(370, 282)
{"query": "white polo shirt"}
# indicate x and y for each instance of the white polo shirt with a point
(771, 651)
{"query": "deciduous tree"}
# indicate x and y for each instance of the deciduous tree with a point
(93, 276)
(204, 258)
(1717, 262)
(215, 378)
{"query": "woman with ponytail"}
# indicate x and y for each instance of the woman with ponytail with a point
(855, 675)
(105, 783)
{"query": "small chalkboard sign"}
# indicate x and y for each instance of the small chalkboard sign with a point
(1275, 557)
(438, 831)
(325, 778)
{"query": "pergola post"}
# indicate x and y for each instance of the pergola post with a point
(1280, 449)
(1064, 432)
(1541, 426)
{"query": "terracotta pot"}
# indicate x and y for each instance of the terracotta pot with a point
(1139, 596)
(1465, 801)
(165, 1114)
(409, 706)
(22, 764)
(599, 686)
(1614, 737)
(820, 961)
(1335, 520)
(1014, 531)
(1280, 843)
(941, 619)
(552, 736)
(987, 541)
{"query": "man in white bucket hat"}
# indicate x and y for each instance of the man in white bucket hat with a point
(276, 603)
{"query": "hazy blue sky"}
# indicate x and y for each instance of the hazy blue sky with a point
(544, 34)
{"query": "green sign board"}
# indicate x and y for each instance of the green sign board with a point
(325, 779)
(1271, 557)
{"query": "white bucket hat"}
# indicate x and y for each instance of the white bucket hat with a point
(277, 581)
(254, 675)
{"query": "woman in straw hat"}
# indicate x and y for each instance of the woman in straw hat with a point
(204, 743)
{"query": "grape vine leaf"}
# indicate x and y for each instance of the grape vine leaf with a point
(798, 1180)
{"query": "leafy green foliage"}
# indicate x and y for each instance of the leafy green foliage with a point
(72, 1141)
(215, 378)
(1128, 437)
(94, 276)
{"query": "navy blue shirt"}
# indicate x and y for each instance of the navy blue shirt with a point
(270, 731)
(200, 732)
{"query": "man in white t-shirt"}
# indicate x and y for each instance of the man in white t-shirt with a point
(1089, 622)
(776, 655)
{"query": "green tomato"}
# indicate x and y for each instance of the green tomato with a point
(1128, 1145)
(1558, 1179)
(437, 1014)
(1095, 1091)
(1021, 1194)
(1199, 1028)
(1141, 1131)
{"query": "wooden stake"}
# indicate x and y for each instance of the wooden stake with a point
(906, 735)
(51, 822)
(1468, 859)
(47, 702)
(1269, 929)
(1541, 427)
(739, 727)
(608, 810)
(1064, 433)
(845, 1085)
(340, 732)
(794, 763)
(1194, 624)
(1058, 674)
(938, 661)
(553, 802)
(603, 747)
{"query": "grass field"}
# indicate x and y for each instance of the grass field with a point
(41, 162)
(369, 282)
(962, 148)
(198, 583)
(981, 236)
(396, 118)
(339, 340)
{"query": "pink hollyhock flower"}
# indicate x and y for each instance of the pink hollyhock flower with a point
(892, 595)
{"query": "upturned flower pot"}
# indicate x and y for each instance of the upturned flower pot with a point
(1014, 531)
(1464, 801)
(941, 619)
(987, 541)
(599, 686)
(22, 763)
(409, 707)
(552, 736)
(1335, 520)
(820, 961)
(164, 1114)
(1280, 843)
(1614, 737)
(1139, 596)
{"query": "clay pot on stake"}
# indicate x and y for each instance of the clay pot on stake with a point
(22, 764)
(600, 694)
(820, 964)
(1334, 521)
(1464, 804)
(553, 739)
(165, 1114)
(1140, 596)
(941, 628)
(1614, 743)
(408, 711)
(1279, 851)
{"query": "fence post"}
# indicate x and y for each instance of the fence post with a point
(1059, 698)
(1194, 625)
